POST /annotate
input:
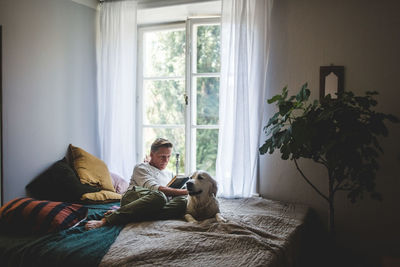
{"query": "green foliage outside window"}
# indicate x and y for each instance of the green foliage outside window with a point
(208, 61)
(208, 49)
(164, 99)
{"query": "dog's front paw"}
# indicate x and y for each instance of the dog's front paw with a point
(220, 219)
(190, 218)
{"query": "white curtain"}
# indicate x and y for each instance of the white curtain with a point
(116, 83)
(244, 55)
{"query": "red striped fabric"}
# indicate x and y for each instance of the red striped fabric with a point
(38, 216)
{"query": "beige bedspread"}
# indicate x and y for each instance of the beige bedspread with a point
(259, 232)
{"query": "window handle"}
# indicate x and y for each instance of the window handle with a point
(186, 99)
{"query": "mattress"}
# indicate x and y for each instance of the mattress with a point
(259, 232)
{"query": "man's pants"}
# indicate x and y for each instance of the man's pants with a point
(142, 204)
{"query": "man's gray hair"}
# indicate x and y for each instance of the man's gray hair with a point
(160, 142)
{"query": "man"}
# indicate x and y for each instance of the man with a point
(146, 197)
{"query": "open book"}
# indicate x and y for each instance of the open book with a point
(178, 181)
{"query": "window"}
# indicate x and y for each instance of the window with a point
(178, 81)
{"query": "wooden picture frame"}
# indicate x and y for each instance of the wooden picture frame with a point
(331, 80)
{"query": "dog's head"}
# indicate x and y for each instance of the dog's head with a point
(201, 183)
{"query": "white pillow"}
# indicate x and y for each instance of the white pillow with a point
(119, 183)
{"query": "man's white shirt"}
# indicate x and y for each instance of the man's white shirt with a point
(148, 176)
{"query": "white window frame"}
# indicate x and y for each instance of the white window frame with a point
(190, 89)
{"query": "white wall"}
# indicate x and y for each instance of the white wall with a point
(49, 82)
(364, 37)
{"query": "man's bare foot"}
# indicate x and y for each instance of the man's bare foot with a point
(108, 212)
(93, 224)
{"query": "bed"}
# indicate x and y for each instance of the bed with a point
(259, 232)
(47, 228)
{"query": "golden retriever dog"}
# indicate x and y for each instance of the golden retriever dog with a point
(202, 203)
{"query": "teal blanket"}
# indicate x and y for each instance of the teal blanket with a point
(72, 247)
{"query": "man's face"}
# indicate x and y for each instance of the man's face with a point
(160, 158)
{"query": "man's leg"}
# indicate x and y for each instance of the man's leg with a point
(137, 205)
(174, 209)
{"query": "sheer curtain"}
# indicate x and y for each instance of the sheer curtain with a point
(244, 56)
(116, 83)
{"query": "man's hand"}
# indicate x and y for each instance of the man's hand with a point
(169, 191)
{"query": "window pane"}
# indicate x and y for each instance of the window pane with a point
(208, 48)
(164, 53)
(207, 100)
(176, 136)
(206, 149)
(163, 102)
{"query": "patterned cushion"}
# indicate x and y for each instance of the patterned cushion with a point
(27, 215)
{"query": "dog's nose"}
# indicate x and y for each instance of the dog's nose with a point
(189, 185)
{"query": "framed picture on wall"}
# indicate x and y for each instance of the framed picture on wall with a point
(331, 81)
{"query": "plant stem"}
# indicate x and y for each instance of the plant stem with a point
(308, 181)
(331, 208)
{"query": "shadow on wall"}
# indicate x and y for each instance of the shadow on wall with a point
(1, 118)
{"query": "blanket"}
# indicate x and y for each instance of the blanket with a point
(259, 232)
(71, 247)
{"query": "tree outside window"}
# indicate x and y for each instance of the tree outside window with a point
(165, 87)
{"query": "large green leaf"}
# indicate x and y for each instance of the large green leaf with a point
(303, 94)
(285, 107)
(264, 148)
(272, 120)
(274, 99)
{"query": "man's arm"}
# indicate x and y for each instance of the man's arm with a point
(168, 191)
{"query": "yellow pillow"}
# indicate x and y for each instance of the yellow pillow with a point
(102, 196)
(90, 170)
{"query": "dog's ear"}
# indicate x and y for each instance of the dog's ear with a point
(193, 175)
(214, 187)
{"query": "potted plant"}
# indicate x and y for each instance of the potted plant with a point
(339, 133)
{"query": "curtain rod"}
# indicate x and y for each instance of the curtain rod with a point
(160, 3)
